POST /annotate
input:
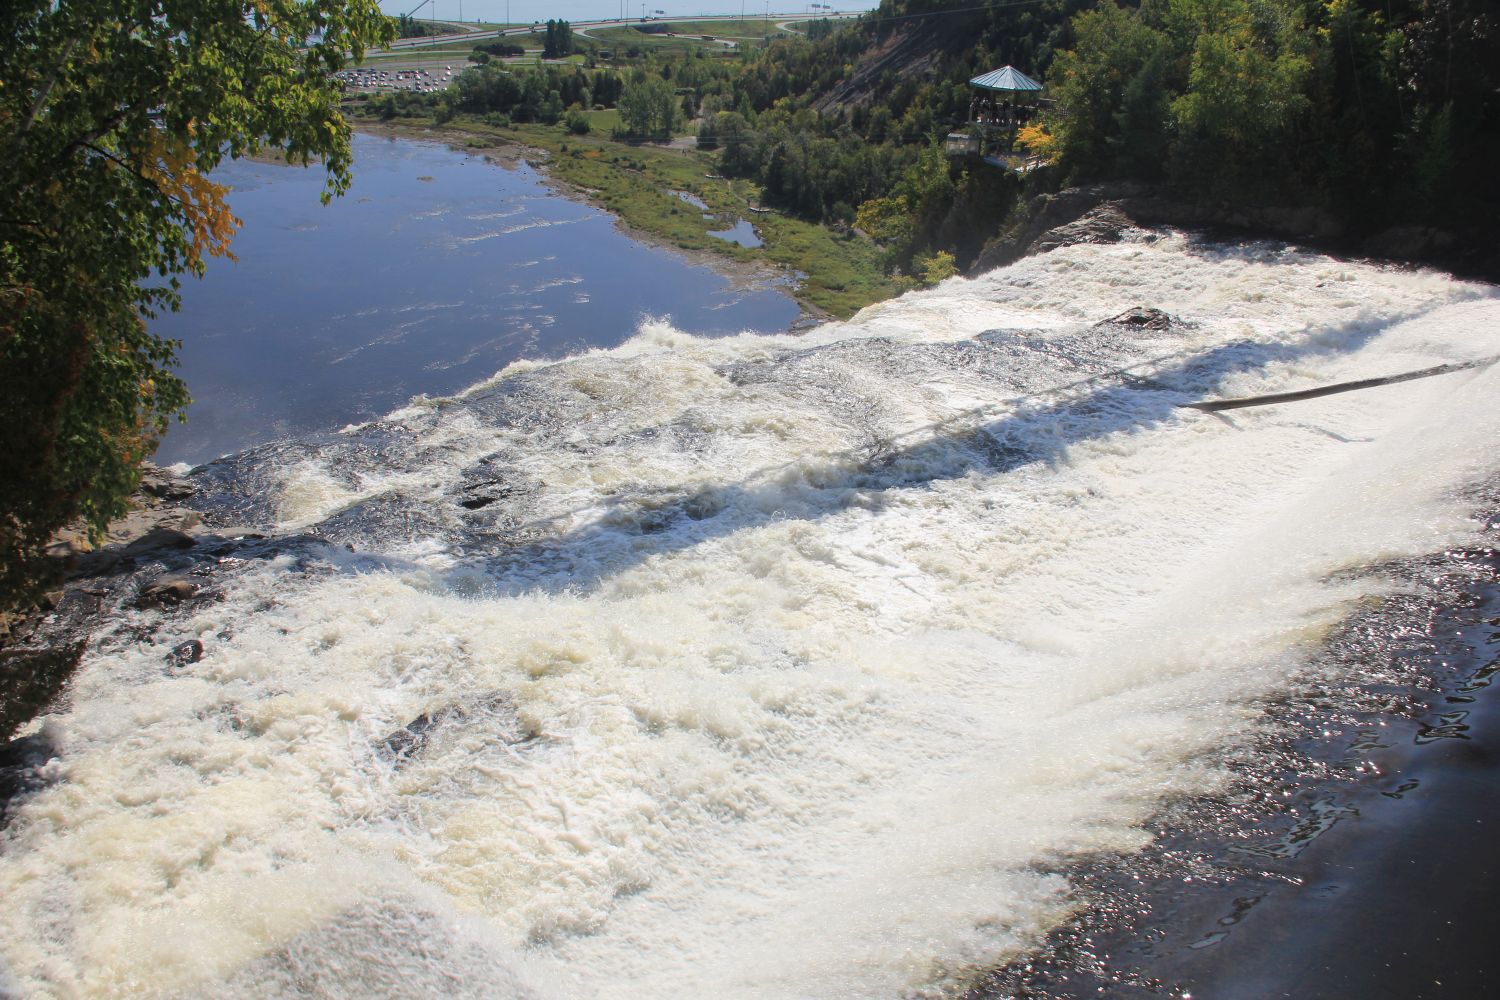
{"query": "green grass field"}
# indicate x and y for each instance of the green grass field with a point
(621, 39)
(734, 28)
(842, 273)
(635, 183)
(604, 121)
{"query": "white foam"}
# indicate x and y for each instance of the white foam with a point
(829, 739)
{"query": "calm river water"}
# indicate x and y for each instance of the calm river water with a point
(437, 269)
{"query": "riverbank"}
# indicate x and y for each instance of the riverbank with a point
(1354, 856)
(648, 189)
(39, 649)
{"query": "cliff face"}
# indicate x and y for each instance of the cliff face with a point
(921, 48)
(1102, 213)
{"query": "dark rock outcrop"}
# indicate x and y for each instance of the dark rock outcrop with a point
(1105, 223)
(1106, 213)
(1050, 221)
(401, 746)
(1303, 224)
(30, 676)
(41, 647)
(1409, 242)
(1141, 318)
(161, 537)
(164, 485)
(21, 763)
(185, 653)
(167, 591)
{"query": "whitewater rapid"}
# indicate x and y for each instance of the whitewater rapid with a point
(763, 666)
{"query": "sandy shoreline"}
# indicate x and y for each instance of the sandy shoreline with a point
(742, 274)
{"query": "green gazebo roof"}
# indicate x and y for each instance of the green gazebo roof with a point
(1006, 78)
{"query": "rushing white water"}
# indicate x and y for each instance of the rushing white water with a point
(763, 667)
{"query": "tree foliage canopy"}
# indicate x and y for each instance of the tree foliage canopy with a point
(112, 115)
(649, 108)
(558, 41)
(1380, 111)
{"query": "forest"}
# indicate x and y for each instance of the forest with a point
(1377, 112)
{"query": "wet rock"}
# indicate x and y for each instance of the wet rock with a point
(380, 519)
(410, 740)
(479, 493)
(167, 591)
(164, 485)
(1105, 224)
(30, 677)
(185, 653)
(160, 537)
(21, 763)
(1141, 318)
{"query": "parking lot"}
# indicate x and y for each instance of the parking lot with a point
(421, 75)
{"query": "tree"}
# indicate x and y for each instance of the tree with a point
(708, 134)
(112, 115)
(733, 133)
(936, 268)
(1112, 85)
(558, 41)
(649, 109)
(1244, 98)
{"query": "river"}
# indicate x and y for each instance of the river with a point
(436, 270)
(760, 665)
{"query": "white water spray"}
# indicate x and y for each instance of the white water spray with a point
(775, 667)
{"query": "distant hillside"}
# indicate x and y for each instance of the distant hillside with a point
(922, 49)
(1378, 120)
(912, 42)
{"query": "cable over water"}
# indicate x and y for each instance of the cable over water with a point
(764, 666)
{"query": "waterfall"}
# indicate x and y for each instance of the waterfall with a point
(757, 666)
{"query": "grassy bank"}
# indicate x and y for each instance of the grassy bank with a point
(686, 36)
(838, 273)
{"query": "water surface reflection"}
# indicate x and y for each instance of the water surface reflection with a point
(433, 272)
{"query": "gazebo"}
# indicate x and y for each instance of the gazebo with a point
(1004, 100)
(1004, 97)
